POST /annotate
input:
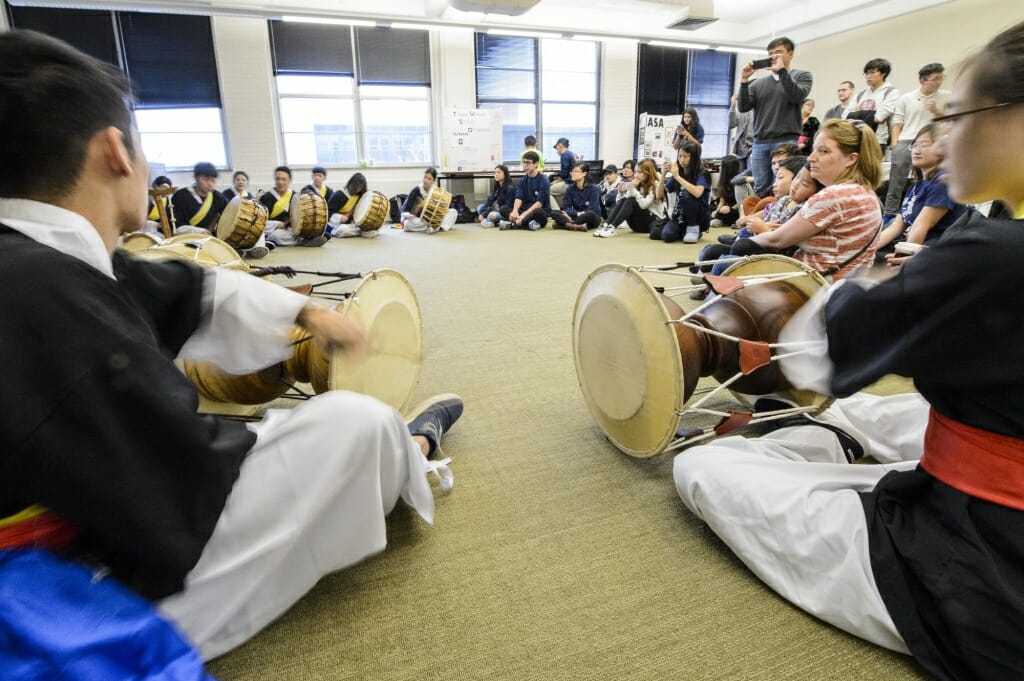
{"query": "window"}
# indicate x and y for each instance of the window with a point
(179, 119)
(366, 99)
(670, 79)
(547, 88)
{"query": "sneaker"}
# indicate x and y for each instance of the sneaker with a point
(347, 230)
(369, 234)
(851, 448)
(717, 223)
(486, 224)
(312, 241)
(692, 234)
(256, 252)
(533, 226)
(434, 417)
(607, 232)
(504, 225)
(271, 245)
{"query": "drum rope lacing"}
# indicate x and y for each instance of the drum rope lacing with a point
(729, 420)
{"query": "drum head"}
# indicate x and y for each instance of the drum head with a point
(627, 360)
(362, 208)
(385, 305)
(205, 251)
(226, 224)
(137, 241)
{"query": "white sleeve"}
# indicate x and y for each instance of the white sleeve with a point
(246, 323)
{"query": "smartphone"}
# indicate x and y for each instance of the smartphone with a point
(761, 63)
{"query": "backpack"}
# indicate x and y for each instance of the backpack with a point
(395, 206)
(465, 213)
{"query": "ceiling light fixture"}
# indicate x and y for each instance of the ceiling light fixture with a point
(739, 50)
(681, 46)
(339, 21)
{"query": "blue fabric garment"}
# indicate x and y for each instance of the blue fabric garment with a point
(499, 198)
(578, 200)
(930, 193)
(567, 160)
(533, 189)
(58, 621)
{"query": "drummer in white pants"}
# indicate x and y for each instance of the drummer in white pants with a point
(412, 209)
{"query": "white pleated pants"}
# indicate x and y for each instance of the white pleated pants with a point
(786, 503)
(310, 499)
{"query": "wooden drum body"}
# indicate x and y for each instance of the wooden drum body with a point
(639, 356)
(308, 215)
(242, 223)
(371, 211)
(435, 206)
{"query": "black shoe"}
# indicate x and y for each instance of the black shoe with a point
(727, 239)
(851, 448)
(271, 245)
(433, 418)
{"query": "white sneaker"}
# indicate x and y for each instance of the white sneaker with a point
(369, 233)
(692, 234)
(504, 225)
(533, 226)
(486, 224)
(449, 220)
(347, 230)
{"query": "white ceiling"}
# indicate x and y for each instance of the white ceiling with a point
(749, 23)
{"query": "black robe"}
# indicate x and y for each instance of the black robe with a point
(97, 423)
(949, 566)
(185, 206)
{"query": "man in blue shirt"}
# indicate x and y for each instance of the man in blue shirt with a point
(562, 180)
(530, 210)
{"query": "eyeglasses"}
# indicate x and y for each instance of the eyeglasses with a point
(529, 163)
(954, 116)
(920, 146)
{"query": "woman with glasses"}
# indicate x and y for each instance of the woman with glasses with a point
(927, 209)
(924, 555)
(581, 204)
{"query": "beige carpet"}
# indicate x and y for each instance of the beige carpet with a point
(555, 556)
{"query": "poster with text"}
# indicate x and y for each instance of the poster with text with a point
(471, 140)
(655, 139)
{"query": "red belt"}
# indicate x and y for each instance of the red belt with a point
(977, 462)
(36, 527)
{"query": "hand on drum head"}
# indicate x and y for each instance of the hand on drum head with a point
(329, 328)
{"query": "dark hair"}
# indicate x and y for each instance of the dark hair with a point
(693, 168)
(532, 156)
(730, 168)
(694, 119)
(53, 100)
(161, 180)
(935, 132)
(818, 186)
(929, 69)
(630, 162)
(793, 164)
(432, 171)
(242, 173)
(283, 169)
(997, 72)
(205, 169)
(530, 141)
(881, 65)
(498, 186)
(787, 149)
(784, 42)
(356, 185)
(318, 169)
(850, 83)
(586, 172)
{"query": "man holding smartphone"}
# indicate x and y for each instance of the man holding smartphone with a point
(775, 99)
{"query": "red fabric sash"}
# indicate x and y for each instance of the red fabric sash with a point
(974, 461)
(45, 530)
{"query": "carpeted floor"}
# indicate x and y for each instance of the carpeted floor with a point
(555, 556)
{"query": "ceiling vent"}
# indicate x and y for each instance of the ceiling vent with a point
(699, 13)
(512, 8)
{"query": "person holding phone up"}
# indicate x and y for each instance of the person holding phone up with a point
(776, 100)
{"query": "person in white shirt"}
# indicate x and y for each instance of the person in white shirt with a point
(878, 97)
(913, 111)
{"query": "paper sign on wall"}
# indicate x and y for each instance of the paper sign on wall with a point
(471, 139)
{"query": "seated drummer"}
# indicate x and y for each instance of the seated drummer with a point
(190, 511)
(197, 208)
(153, 225)
(239, 186)
(412, 209)
(319, 184)
(342, 205)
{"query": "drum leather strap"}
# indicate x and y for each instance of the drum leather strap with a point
(36, 527)
(283, 203)
(975, 461)
(350, 205)
(203, 209)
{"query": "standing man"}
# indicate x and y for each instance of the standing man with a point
(844, 106)
(559, 182)
(530, 210)
(776, 101)
(913, 111)
(197, 208)
(876, 103)
(743, 138)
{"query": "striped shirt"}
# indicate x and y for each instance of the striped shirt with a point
(847, 217)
